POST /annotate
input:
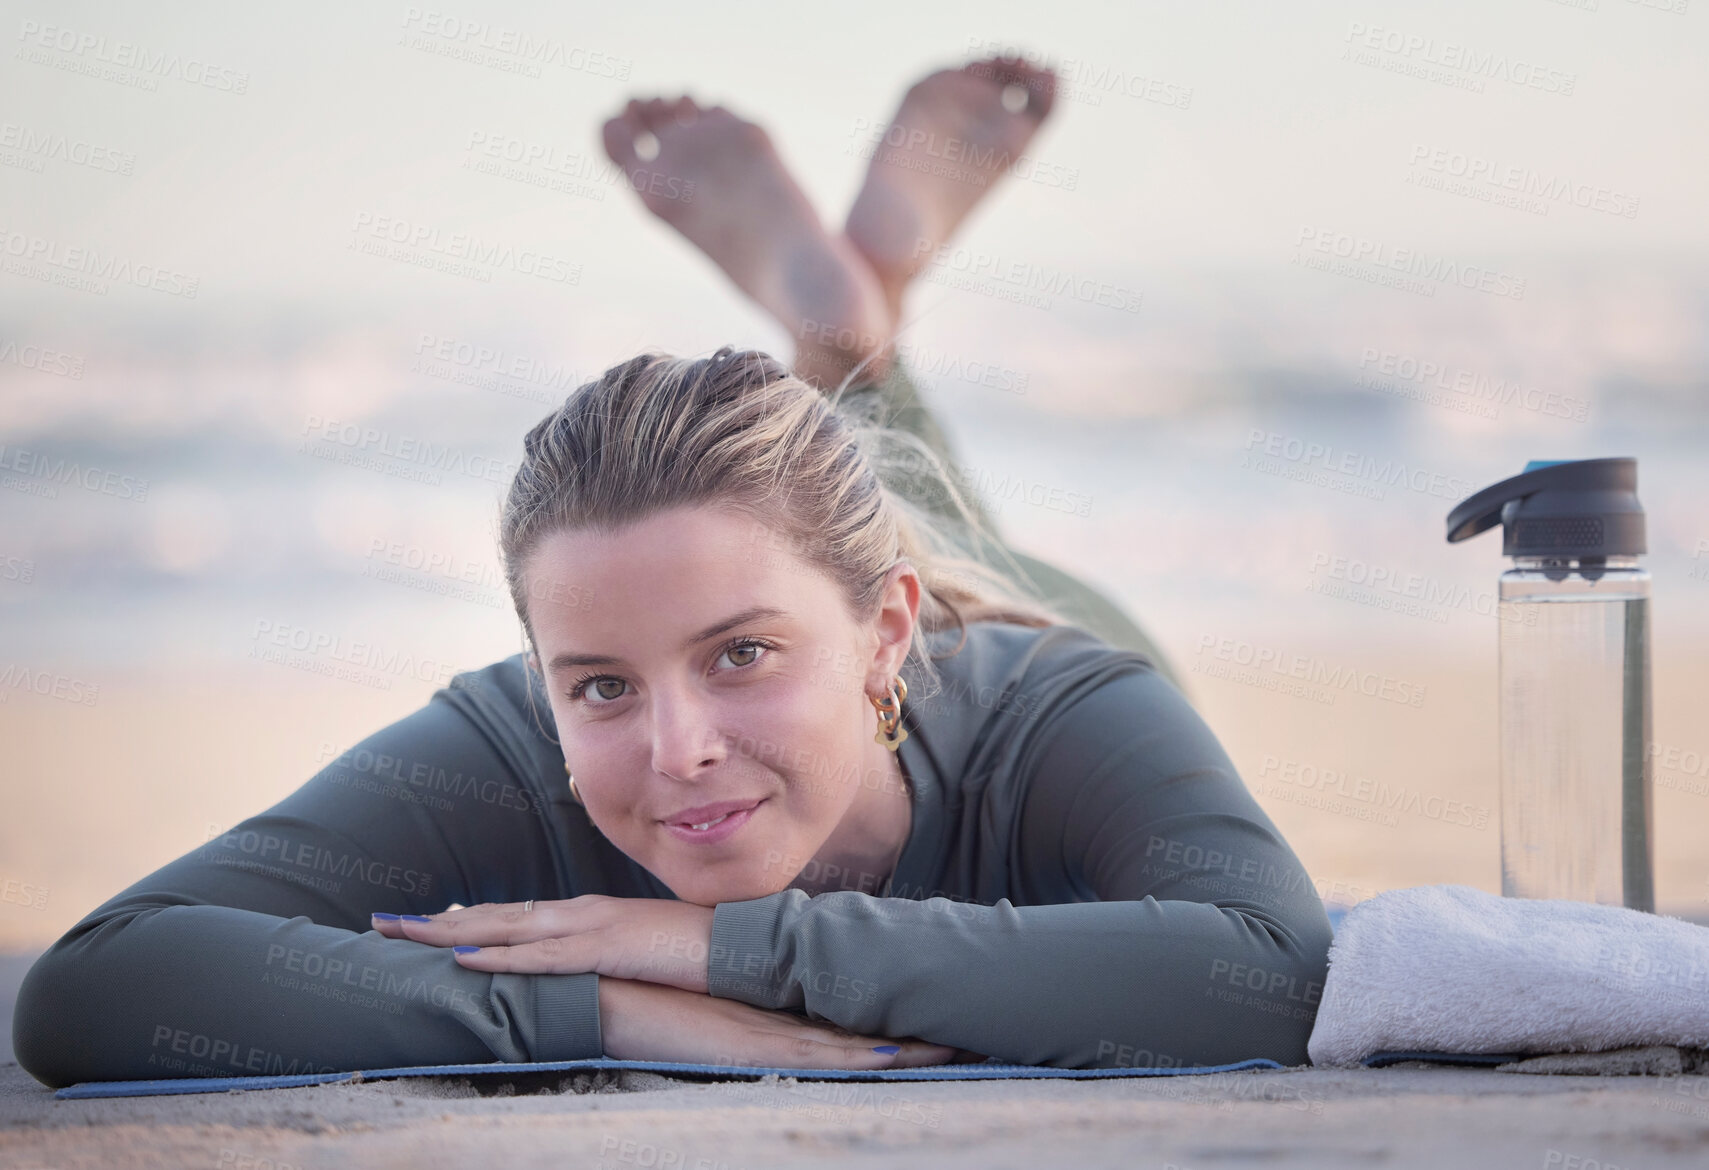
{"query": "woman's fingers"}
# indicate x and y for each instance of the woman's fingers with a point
(493, 924)
(815, 1048)
(819, 1042)
(573, 955)
(644, 1021)
(915, 1053)
(504, 929)
(552, 938)
(658, 940)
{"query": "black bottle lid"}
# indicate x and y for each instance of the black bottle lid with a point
(1580, 508)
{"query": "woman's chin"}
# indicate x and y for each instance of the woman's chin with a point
(702, 890)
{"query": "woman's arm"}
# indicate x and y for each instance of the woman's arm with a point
(1207, 943)
(254, 954)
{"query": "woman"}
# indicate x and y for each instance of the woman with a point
(785, 777)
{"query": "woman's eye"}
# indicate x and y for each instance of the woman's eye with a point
(752, 650)
(596, 690)
(599, 690)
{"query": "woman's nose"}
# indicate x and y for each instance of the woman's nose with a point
(686, 741)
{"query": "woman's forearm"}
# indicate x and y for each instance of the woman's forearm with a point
(251, 954)
(176, 991)
(1164, 920)
(1080, 985)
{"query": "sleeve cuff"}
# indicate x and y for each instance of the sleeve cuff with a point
(749, 961)
(566, 1017)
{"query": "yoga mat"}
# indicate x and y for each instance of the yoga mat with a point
(988, 1070)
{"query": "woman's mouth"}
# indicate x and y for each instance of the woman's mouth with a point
(714, 829)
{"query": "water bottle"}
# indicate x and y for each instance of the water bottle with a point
(1576, 813)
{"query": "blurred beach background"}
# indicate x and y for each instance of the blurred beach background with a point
(1274, 287)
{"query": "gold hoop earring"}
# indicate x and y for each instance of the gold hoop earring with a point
(891, 733)
(574, 795)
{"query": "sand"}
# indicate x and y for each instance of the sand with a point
(1401, 1116)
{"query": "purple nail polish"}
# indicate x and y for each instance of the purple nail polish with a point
(888, 1049)
(465, 950)
(414, 918)
(384, 917)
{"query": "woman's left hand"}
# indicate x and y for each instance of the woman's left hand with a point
(653, 939)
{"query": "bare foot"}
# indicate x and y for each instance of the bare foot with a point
(718, 180)
(957, 132)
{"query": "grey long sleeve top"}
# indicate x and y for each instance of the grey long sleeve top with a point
(1087, 883)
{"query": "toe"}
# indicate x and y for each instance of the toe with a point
(1041, 92)
(634, 118)
(997, 68)
(1039, 75)
(619, 138)
(1038, 81)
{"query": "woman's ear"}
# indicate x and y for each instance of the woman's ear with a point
(898, 613)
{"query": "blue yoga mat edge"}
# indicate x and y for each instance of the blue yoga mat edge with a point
(944, 1072)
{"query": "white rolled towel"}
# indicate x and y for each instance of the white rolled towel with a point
(1452, 969)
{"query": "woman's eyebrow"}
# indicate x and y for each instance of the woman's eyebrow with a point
(753, 614)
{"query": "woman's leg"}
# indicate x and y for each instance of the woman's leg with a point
(894, 401)
(718, 180)
(949, 144)
(955, 135)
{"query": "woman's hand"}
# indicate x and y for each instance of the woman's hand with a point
(655, 940)
(646, 1021)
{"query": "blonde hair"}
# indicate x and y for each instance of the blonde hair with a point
(739, 431)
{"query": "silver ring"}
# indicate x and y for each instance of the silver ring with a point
(528, 905)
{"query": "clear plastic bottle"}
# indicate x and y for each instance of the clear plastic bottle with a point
(1577, 820)
(1576, 813)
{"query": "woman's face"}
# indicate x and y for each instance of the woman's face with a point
(692, 660)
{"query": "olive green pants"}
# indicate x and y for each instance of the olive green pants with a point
(896, 402)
